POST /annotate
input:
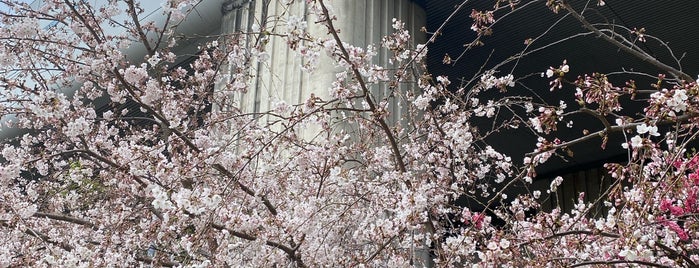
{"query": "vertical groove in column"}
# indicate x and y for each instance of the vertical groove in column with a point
(260, 77)
(363, 22)
(276, 52)
(303, 77)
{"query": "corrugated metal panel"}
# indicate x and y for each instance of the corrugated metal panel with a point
(594, 182)
(675, 22)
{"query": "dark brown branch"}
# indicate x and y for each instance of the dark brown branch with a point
(137, 25)
(47, 239)
(585, 232)
(597, 115)
(98, 158)
(83, 20)
(611, 129)
(673, 254)
(246, 189)
(162, 33)
(358, 76)
(65, 218)
(573, 232)
(645, 263)
(291, 252)
(380, 249)
(587, 25)
(102, 159)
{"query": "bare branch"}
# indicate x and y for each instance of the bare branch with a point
(365, 90)
(641, 55)
(65, 218)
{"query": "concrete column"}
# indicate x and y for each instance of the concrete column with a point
(361, 22)
(366, 22)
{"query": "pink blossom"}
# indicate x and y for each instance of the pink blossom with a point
(300, 138)
(681, 233)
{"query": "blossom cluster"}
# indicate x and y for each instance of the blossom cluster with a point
(209, 162)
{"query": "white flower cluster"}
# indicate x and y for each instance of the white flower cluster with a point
(488, 81)
(196, 201)
(296, 23)
(487, 110)
(175, 5)
(77, 127)
(161, 200)
(134, 75)
(423, 101)
(536, 194)
(651, 130)
(154, 60)
(551, 71)
(637, 141)
(555, 183)
(677, 103)
(7, 59)
(536, 124)
(27, 27)
(152, 93)
(632, 254)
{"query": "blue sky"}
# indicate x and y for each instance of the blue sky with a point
(4, 7)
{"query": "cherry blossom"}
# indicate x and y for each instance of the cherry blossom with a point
(115, 160)
(651, 130)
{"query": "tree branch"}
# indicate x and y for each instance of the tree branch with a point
(587, 25)
(608, 130)
(137, 24)
(645, 263)
(573, 232)
(291, 252)
(65, 218)
(47, 239)
(358, 76)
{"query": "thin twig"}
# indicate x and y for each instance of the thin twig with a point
(641, 55)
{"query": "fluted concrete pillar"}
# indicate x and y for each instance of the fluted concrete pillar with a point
(366, 22)
(361, 22)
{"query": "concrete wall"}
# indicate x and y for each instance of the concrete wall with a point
(362, 22)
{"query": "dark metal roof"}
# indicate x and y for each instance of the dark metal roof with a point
(674, 22)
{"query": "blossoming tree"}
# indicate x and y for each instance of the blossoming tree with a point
(150, 162)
